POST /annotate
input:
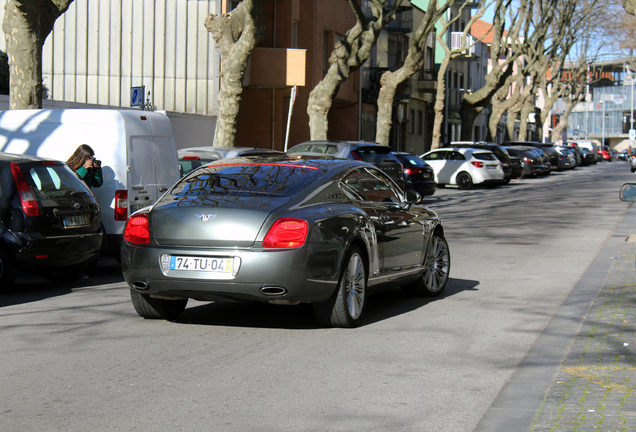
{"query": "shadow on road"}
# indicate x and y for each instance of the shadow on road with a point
(33, 286)
(380, 306)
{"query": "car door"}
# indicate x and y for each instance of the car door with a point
(437, 161)
(454, 163)
(399, 230)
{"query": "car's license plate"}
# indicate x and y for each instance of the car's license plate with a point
(208, 264)
(75, 221)
(491, 167)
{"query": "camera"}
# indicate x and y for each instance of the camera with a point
(97, 162)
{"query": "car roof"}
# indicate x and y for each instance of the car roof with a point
(13, 157)
(222, 151)
(319, 160)
(464, 150)
(341, 143)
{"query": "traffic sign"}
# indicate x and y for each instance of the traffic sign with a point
(137, 96)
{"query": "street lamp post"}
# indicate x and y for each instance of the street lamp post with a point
(603, 120)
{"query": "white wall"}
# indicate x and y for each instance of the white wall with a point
(190, 130)
(99, 49)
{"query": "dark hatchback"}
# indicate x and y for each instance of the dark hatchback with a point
(418, 175)
(532, 163)
(49, 219)
(373, 153)
(540, 161)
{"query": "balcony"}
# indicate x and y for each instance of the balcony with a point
(456, 43)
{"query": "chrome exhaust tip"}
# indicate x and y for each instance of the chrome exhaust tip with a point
(273, 291)
(141, 285)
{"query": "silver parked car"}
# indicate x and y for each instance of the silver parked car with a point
(193, 157)
(283, 229)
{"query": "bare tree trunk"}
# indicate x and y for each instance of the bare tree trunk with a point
(440, 102)
(510, 123)
(347, 57)
(236, 34)
(26, 25)
(527, 108)
(389, 83)
(412, 63)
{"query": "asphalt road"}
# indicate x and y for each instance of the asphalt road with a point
(78, 358)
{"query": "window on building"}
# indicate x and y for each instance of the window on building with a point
(420, 122)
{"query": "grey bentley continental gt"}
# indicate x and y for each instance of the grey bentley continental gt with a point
(283, 229)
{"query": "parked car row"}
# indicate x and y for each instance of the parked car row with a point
(317, 224)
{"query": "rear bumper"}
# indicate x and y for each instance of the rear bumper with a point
(59, 251)
(308, 274)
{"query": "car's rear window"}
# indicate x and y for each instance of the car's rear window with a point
(484, 156)
(410, 160)
(374, 155)
(275, 179)
(53, 180)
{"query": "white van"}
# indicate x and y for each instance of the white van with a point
(136, 149)
(591, 146)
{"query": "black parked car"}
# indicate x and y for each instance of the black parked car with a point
(558, 161)
(418, 175)
(532, 162)
(500, 153)
(49, 219)
(373, 153)
(542, 160)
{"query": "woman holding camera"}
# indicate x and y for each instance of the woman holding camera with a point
(83, 162)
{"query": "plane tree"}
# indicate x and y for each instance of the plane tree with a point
(26, 25)
(236, 34)
(550, 69)
(511, 25)
(413, 62)
(348, 56)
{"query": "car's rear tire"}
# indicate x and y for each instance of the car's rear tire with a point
(346, 307)
(153, 308)
(7, 270)
(435, 270)
(464, 181)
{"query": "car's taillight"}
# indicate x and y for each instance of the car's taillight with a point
(191, 158)
(121, 205)
(411, 171)
(27, 197)
(478, 164)
(137, 230)
(286, 233)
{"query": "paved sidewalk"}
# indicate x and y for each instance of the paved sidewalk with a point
(595, 390)
(580, 375)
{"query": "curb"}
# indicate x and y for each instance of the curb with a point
(559, 386)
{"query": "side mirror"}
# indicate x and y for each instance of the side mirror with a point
(628, 192)
(413, 197)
